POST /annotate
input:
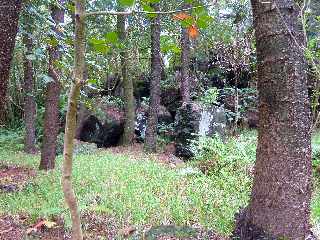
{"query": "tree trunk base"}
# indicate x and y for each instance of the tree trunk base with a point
(245, 230)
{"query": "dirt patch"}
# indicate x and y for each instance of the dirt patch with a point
(13, 178)
(11, 228)
(96, 227)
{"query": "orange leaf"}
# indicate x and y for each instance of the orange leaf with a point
(193, 31)
(181, 16)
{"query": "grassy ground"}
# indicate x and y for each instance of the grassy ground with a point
(140, 190)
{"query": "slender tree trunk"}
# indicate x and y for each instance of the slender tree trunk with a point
(280, 200)
(51, 114)
(9, 17)
(129, 107)
(152, 122)
(71, 120)
(29, 100)
(185, 64)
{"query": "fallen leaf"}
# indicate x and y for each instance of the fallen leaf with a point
(42, 223)
(126, 232)
(49, 224)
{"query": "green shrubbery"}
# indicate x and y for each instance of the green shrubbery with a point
(214, 156)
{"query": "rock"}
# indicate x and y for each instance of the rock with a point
(164, 117)
(91, 130)
(193, 120)
(111, 133)
(140, 126)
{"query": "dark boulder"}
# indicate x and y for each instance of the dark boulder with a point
(111, 133)
(193, 120)
(91, 130)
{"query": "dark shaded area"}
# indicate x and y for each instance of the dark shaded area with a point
(111, 134)
(91, 130)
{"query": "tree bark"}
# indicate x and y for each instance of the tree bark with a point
(129, 106)
(152, 122)
(185, 64)
(9, 17)
(30, 107)
(51, 114)
(70, 129)
(280, 200)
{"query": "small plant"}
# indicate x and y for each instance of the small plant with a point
(210, 97)
(215, 156)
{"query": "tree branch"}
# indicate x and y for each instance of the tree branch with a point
(132, 12)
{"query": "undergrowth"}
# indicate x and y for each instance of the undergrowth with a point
(141, 191)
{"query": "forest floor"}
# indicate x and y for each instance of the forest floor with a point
(124, 193)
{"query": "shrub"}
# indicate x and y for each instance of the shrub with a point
(215, 156)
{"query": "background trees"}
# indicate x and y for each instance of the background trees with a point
(51, 115)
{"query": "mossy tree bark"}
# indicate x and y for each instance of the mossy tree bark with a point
(51, 114)
(280, 200)
(9, 17)
(70, 129)
(29, 99)
(152, 122)
(129, 105)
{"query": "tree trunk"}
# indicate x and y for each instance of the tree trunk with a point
(51, 114)
(71, 120)
(185, 64)
(129, 106)
(280, 200)
(9, 17)
(29, 100)
(152, 122)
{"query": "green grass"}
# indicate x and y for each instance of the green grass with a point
(140, 191)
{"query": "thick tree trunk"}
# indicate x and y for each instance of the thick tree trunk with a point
(29, 100)
(152, 122)
(129, 106)
(9, 17)
(280, 200)
(51, 114)
(185, 64)
(71, 120)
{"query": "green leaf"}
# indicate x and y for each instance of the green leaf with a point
(187, 22)
(96, 41)
(111, 37)
(101, 48)
(204, 21)
(126, 3)
(147, 8)
(92, 81)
